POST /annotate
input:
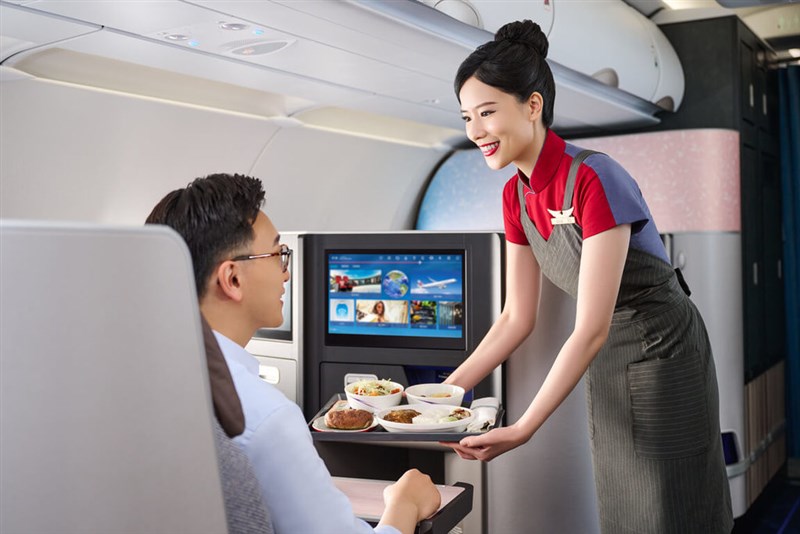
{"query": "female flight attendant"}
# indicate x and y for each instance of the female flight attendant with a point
(651, 383)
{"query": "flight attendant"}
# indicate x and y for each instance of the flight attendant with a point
(578, 218)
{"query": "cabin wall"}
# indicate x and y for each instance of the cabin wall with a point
(110, 156)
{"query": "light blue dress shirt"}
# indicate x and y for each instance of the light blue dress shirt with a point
(297, 487)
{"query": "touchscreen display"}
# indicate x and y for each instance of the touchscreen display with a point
(412, 294)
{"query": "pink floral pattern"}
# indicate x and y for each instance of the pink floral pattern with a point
(689, 178)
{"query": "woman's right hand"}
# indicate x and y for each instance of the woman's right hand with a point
(488, 446)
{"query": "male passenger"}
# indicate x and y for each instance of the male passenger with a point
(240, 269)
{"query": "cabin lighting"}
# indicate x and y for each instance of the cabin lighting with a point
(690, 4)
(233, 26)
(794, 52)
(176, 37)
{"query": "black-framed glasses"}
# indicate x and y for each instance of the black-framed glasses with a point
(285, 254)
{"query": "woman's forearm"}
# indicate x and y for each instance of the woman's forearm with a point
(571, 363)
(502, 339)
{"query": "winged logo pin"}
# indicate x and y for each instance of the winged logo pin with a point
(562, 216)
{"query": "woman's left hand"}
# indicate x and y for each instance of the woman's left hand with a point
(490, 445)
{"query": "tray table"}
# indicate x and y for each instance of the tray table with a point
(380, 434)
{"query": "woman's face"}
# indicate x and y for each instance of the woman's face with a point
(379, 308)
(501, 125)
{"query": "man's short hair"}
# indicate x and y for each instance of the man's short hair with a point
(215, 217)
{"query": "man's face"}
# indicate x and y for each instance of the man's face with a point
(263, 278)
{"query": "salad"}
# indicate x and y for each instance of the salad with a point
(374, 388)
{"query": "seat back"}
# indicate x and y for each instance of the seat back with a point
(104, 398)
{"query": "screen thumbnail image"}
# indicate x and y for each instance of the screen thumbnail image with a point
(355, 281)
(382, 311)
(451, 313)
(439, 284)
(423, 312)
(342, 310)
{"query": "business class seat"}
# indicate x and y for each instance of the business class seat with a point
(105, 411)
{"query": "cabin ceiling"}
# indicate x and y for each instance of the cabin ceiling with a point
(776, 22)
(340, 55)
(323, 62)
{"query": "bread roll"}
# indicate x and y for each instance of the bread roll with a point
(348, 419)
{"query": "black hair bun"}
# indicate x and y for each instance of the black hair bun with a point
(525, 32)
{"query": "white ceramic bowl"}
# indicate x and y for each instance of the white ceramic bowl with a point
(374, 403)
(435, 394)
(428, 410)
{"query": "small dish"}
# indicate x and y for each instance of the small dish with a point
(448, 394)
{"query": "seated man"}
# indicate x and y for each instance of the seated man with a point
(240, 269)
(245, 510)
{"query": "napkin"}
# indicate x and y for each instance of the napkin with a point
(485, 411)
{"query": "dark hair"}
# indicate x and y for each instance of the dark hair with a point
(514, 63)
(215, 217)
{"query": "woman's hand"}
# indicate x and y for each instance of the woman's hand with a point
(492, 444)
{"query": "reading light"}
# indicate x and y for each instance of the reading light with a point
(233, 26)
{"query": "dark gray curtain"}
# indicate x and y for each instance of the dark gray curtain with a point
(789, 87)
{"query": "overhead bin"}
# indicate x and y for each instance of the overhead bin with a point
(23, 30)
(609, 41)
(395, 59)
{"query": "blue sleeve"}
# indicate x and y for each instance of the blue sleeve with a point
(297, 487)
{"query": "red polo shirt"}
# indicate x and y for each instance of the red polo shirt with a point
(605, 196)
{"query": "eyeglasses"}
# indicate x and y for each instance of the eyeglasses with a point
(285, 254)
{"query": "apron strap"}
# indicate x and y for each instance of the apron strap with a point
(573, 172)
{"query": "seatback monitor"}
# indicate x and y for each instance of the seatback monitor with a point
(396, 293)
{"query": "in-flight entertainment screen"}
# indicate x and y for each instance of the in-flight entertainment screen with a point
(396, 293)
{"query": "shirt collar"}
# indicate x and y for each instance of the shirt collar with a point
(234, 352)
(547, 164)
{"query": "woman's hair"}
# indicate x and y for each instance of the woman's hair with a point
(215, 217)
(514, 63)
(375, 307)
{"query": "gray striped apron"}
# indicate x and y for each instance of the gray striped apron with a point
(651, 394)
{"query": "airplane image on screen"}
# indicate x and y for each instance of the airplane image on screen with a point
(439, 284)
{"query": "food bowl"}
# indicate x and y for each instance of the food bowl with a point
(374, 395)
(431, 418)
(435, 394)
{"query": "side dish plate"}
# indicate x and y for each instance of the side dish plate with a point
(426, 411)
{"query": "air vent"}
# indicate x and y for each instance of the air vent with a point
(253, 47)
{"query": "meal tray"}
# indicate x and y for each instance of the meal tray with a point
(380, 434)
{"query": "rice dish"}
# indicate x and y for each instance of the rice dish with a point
(438, 416)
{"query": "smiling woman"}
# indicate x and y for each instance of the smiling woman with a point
(579, 219)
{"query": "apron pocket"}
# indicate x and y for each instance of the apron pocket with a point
(669, 407)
